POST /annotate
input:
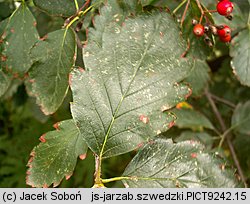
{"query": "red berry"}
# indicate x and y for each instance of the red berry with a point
(198, 30)
(225, 31)
(226, 38)
(225, 7)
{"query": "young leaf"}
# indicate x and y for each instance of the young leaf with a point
(189, 118)
(163, 164)
(53, 58)
(56, 156)
(240, 52)
(241, 118)
(130, 80)
(58, 7)
(21, 35)
(199, 77)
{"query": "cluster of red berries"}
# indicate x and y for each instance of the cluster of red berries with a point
(224, 8)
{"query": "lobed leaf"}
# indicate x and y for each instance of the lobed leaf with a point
(20, 35)
(53, 58)
(132, 76)
(56, 156)
(163, 164)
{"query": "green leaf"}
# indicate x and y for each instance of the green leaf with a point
(53, 59)
(115, 11)
(56, 155)
(241, 118)
(240, 52)
(21, 35)
(242, 147)
(132, 77)
(163, 164)
(5, 81)
(202, 137)
(58, 7)
(190, 118)
(199, 77)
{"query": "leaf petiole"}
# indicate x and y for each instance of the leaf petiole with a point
(179, 6)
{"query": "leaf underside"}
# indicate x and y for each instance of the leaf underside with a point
(56, 156)
(163, 164)
(48, 78)
(131, 77)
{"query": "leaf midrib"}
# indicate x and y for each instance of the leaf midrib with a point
(127, 90)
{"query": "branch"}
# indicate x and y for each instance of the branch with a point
(229, 143)
(222, 100)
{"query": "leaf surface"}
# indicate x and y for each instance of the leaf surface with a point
(241, 118)
(190, 118)
(20, 36)
(56, 156)
(53, 59)
(240, 53)
(199, 77)
(131, 77)
(163, 164)
(58, 7)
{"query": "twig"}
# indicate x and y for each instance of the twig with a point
(201, 9)
(179, 6)
(185, 12)
(222, 100)
(229, 143)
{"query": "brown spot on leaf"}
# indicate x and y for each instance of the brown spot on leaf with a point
(44, 38)
(144, 119)
(68, 176)
(171, 124)
(34, 23)
(45, 185)
(222, 167)
(193, 155)
(81, 69)
(30, 160)
(83, 156)
(3, 58)
(16, 75)
(42, 138)
(70, 79)
(56, 126)
(189, 93)
(140, 145)
(32, 153)
(12, 30)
